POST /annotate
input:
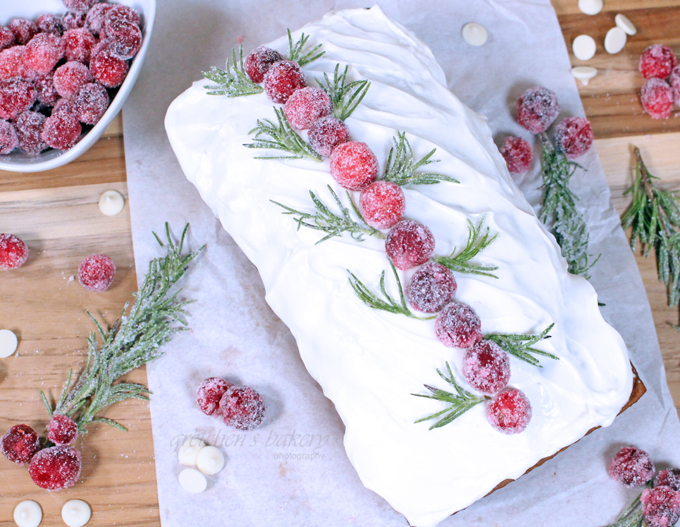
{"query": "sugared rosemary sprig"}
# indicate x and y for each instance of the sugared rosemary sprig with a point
(632, 516)
(296, 50)
(323, 219)
(459, 402)
(559, 209)
(133, 340)
(344, 96)
(476, 243)
(402, 168)
(280, 136)
(232, 82)
(520, 345)
(388, 304)
(654, 215)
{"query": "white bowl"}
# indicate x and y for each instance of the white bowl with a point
(19, 162)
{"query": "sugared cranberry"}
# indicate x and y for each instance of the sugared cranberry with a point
(657, 98)
(120, 12)
(282, 79)
(70, 77)
(16, 95)
(50, 23)
(62, 430)
(669, 477)
(537, 108)
(573, 136)
(7, 39)
(382, 204)
(657, 61)
(258, 62)
(90, 103)
(486, 367)
(431, 288)
(353, 165)
(46, 93)
(13, 252)
(20, 443)
(632, 467)
(458, 326)
(327, 133)
(78, 45)
(29, 126)
(8, 137)
(209, 394)
(509, 412)
(63, 106)
(517, 153)
(127, 39)
(95, 18)
(660, 506)
(306, 106)
(79, 5)
(96, 272)
(12, 64)
(61, 130)
(242, 408)
(408, 244)
(55, 468)
(675, 84)
(24, 30)
(73, 20)
(43, 52)
(108, 69)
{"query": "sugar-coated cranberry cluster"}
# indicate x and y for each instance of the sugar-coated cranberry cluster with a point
(59, 73)
(240, 407)
(661, 90)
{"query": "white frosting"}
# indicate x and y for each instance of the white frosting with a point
(370, 362)
(76, 513)
(28, 514)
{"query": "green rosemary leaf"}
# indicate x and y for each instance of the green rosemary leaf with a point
(48, 406)
(344, 96)
(632, 516)
(323, 219)
(232, 82)
(476, 243)
(520, 345)
(296, 50)
(109, 422)
(280, 136)
(402, 168)
(459, 403)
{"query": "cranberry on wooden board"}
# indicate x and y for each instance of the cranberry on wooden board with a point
(96, 272)
(657, 98)
(657, 61)
(55, 468)
(20, 444)
(62, 430)
(13, 251)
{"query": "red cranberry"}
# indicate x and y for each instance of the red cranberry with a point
(657, 61)
(258, 62)
(20, 443)
(13, 252)
(43, 52)
(78, 44)
(509, 412)
(96, 272)
(46, 92)
(242, 408)
(408, 244)
(127, 39)
(106, 68)
(431, 288)
(90, 103)
(486, 367)
(7, 39)
(632, 467)
(282, 79)
(537, 108)
(29, 126)
(668, 478)
(382, 204)
(458, 326)
(62, 430)
(50, 23)
(70, 77)
(95, 18)
(327, 133)
(353, 165)
(61, 130)
(24, 30)
(16, 95)
(73, 20)
(209, 395)
(660, 506)
(518, 154)
(12, 64)
(8, 137)
(79, 5)
(306, 106)
(120, 12)
(573, 136)
(657, 98)
(55, 468)
(675, 84)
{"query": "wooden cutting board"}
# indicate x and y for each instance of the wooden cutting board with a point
(56, 213)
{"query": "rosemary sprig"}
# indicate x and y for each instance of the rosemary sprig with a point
(459, 402)
(520, 345)
(323, 219)
(559, 207)
(632, 516)
(372, 300)
(402, 168)
(345, 97)
(296, 50)
(476, 243)
(654, 215)
(133, 340)
(232, 82)
(280, 136)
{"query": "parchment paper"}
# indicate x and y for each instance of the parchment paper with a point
(293, 470)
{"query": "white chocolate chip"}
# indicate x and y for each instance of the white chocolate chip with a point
(192, 481)
(111, 203)
(76, 513)
(210, 460)
(28, 514)
(624, 23)
(615, 40)
(474, 34)
(584, 47)
(189, 450)
(590, 7)
(8, 343)
(584, 73)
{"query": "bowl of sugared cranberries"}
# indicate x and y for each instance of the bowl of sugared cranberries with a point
(66, 69)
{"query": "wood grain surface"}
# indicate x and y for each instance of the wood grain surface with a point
(56, 213)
